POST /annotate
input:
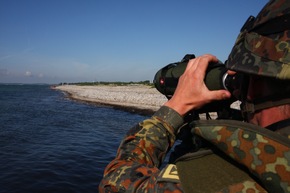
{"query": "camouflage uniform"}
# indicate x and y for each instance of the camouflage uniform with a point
(136, 166)
(263, 155)
(141, 153)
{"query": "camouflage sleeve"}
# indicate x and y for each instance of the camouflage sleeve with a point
(136, 166)
(265, 153)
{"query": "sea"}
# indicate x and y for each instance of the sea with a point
(49, 143)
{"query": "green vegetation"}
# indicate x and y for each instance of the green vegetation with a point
(146, 82)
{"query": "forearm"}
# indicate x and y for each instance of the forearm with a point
(142, 152)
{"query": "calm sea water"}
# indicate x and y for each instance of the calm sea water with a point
(51, 144)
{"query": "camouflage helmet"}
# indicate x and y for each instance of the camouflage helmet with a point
(263, 46)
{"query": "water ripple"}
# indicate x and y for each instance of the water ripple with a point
(51, 144)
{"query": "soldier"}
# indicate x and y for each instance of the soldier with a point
(236, 156)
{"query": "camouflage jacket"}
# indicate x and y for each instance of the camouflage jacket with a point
(142, 151)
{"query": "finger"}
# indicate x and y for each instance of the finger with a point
(219, 95)
(192, 64)
(230, 72)
(204, 62)
(201, 62)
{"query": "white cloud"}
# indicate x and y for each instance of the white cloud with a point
(28, 73)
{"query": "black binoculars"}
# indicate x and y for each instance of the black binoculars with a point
(216, 78)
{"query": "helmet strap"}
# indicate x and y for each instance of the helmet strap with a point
(250, 107)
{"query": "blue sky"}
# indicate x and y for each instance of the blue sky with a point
(52, 41)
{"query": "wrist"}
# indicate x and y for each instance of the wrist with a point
(170, 116)
(179, 108)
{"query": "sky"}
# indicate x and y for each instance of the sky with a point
(54, 41)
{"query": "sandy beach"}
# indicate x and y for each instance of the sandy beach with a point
(134, 98)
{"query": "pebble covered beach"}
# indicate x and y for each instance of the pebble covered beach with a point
(135, 98)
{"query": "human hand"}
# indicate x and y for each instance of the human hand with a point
(191, 92)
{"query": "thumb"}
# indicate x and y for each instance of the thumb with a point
(220, 95)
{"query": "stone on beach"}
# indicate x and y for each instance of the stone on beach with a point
(135, 98)
(140, 98)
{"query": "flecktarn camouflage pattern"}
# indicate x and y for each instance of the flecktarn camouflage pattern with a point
(265, 153)
(139, 157)
(265, 55)
(136, 167)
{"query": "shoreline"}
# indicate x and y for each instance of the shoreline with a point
(139, 99)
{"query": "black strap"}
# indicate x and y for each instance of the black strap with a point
(279, 125)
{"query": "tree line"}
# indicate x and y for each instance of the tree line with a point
(118, 83)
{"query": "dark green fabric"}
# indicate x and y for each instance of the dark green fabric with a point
(208, 173)
(170, 116)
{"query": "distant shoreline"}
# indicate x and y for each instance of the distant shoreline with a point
(139, 99)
